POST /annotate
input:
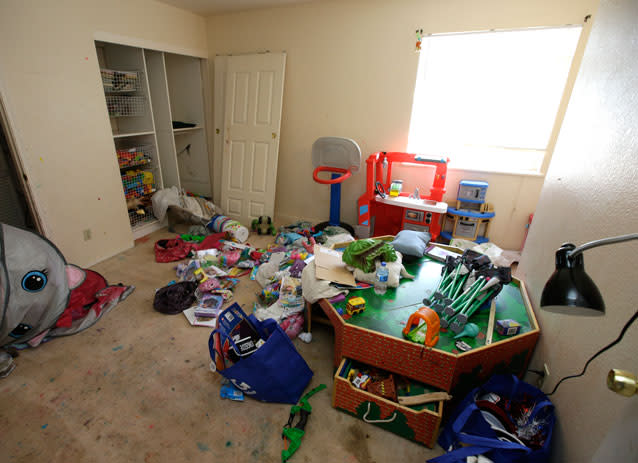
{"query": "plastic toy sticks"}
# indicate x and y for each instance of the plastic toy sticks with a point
(467, 283)
(454, 275)
(457, 324)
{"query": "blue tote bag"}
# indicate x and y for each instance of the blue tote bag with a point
(275, 372)
(469, 433)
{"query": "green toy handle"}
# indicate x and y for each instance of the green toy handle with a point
(295, 434)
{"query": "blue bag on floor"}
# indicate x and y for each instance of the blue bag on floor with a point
(476, 425)
(274, 372)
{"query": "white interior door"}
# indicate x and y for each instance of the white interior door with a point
(252, 118)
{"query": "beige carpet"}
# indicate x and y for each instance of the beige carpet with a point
(136, 387)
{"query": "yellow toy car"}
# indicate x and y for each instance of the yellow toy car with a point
(355, 305)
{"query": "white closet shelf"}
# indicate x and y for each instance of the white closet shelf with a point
(134, 134)
(146, 228)
(186, 129)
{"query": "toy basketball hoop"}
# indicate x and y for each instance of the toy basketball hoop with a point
(340, 157)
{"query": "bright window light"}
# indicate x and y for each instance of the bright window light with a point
(488, 100)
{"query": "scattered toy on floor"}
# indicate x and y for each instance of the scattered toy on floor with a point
(292, 436)
(221, 223)
(229, 391)
(293, 325)
(263, 225)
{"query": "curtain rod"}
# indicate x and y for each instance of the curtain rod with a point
(487, 31)
(246, 53)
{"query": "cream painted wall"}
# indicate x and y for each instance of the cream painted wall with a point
(50, 82)
(350, 72)
(590, 192)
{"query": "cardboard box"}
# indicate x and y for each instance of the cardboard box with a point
(331, 267)
(508, 327)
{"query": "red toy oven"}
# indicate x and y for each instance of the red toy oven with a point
(389, 215)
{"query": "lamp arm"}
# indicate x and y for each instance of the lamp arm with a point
(602, 242)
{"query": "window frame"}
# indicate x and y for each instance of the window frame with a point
(572, 72)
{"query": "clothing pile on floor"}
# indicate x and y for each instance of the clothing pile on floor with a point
(215, 262)
(281, 274)
(182, 207)
(206, 280)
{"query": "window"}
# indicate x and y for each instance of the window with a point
(488, 100)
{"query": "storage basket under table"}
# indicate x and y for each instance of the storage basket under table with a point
(420, 424)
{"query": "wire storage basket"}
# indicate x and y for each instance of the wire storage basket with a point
(139, 214)
(136, 156)
(139, 185)
(125, 105)
(120, 81)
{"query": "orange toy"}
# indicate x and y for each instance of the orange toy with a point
(430, 319)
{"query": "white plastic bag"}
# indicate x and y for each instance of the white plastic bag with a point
(164, 198)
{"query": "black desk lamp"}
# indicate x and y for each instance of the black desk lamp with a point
(571, 291)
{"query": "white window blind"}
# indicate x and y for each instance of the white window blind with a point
(489, 100)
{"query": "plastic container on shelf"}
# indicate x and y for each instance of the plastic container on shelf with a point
(395, 187)
(135, 156)
(381, 281)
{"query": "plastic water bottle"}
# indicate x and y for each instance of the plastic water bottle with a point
(381, 281)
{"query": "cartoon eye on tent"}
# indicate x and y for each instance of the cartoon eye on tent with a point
(42, 296)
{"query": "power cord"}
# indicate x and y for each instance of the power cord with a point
(604, 349)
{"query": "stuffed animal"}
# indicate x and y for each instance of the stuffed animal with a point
(263, 225)
(42, 295)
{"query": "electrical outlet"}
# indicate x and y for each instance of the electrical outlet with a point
(87, 234)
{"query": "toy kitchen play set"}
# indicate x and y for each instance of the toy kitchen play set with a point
(385, 209)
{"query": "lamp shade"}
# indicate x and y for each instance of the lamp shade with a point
(570, 290)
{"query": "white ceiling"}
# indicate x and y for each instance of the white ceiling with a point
(209, 7)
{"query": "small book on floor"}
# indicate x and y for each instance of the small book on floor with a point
(195, 320)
